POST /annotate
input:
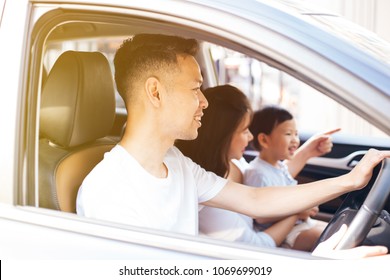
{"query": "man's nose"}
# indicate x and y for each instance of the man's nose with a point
(203, 101)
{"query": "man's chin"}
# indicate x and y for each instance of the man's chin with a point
(189, 137)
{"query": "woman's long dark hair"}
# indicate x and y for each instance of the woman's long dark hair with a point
(227, 107)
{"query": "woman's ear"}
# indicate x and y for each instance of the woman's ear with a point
(262, 138)
(152, 88)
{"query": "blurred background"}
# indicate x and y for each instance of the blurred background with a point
(265, 85)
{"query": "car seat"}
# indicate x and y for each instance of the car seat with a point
(77, 112)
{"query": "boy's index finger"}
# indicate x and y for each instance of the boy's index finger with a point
(332, 131)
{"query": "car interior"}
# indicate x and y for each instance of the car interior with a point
(80, 89)
(80, 117)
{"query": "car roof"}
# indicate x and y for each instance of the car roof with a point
(289, 35)
(317, 29)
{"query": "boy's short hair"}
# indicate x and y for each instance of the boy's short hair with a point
(265, 120)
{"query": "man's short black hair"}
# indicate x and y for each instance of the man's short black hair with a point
(148, 54)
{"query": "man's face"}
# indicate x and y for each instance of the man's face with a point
(185, 101)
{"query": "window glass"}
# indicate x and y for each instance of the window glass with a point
(266, 85)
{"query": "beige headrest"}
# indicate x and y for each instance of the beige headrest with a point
(78, 99)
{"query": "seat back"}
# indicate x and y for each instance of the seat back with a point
(77, 112)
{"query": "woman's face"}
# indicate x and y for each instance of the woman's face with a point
(241, 138)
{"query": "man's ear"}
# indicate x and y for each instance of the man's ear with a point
(262, 138)
(152, 88)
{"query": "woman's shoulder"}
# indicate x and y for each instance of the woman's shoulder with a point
(241, 164)
(235, 173)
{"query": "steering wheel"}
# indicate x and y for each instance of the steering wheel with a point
(360, 210)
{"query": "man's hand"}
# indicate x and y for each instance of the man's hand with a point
(362, 172)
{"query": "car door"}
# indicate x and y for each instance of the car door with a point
(24, 222)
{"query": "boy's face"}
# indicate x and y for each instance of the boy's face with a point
(283, 141)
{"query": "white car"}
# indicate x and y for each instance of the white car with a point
(333, 58)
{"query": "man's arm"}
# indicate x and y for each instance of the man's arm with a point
(270, 202)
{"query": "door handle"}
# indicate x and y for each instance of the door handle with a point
(344, 163)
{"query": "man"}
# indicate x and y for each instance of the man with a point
(146, 181)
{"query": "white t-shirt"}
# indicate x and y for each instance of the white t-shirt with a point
(232, 226)
(241, 164)
(262, 174)
(119, 189)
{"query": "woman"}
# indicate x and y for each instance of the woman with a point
(223, 137)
